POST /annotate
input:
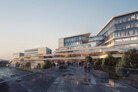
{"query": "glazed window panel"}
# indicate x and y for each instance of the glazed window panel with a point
(132, 17)
(134, 38)
(136, 24)
(118, 40)
(132, 25)
(137, 16)
(123, 33)
(126, 39)
(133, 45)
(127, 26)
(131, 32)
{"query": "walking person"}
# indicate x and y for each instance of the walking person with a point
(89, 66)
(85, 66)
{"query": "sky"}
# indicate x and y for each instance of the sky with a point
(27, 24)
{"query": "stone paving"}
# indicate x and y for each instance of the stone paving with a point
(76, 80)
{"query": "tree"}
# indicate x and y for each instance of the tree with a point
(97, 63)
(58, 62)
(109, 61)
(44, 66)
(38, 65)
(129, 60)
(17, 64)
(3, 63)
(28, 64)
(89, 59)
(108, 65)
(47, 64)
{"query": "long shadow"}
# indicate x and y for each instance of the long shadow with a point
(4, 86)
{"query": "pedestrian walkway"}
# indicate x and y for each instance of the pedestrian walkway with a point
(76, 80)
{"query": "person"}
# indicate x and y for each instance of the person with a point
(89, 66)
(54, 64)
(85, 66)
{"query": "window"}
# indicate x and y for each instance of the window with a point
(116, 21)
(115, 34)
(123, 33)
(136, 31)
(127, 26)
(134, 38)
(118, 40)
(126, 39)
(119, 35)
(136, 24)
(137, 17)
(124, 19)
(132, 17)
(131, 32)
(132, 25)
(128, 19)
(133, 45)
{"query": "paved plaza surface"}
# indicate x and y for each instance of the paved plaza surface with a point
(76, 80)
(53, 80)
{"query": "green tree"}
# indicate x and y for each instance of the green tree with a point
(89, 59)
(129, 60)
(47, 64)
(17, 64)
(3, 63)
(97, 63)
(109, 61)
(108, 65)
(38, 65)
(44, 66)
(59, 62)
(27, 64)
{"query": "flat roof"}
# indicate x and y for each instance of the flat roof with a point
(124, 14)
(36, 48)
(86, 34)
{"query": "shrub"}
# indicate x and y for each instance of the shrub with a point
(17, 64)
(44, 66)
(38, 65)
(47, 64)
(97, 64)
(59, 62)
(63, 67)
(89, 59)
(128, 60)
(28, 64)
(109, 61)
(3, 63)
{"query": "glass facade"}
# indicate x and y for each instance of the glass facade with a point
(135, 45)
(126, 25)
(28, 52)
(72, 41)
(121, 26)
(96, 38)
(18, 55)
(126, 39)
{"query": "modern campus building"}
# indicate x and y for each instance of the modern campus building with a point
(16, 58)
(121, 31)
(18, 55)
(118, 35)
(31, 55)
(42, 51)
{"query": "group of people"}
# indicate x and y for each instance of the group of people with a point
(87, 66)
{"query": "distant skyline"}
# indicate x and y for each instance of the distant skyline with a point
(26, 24)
